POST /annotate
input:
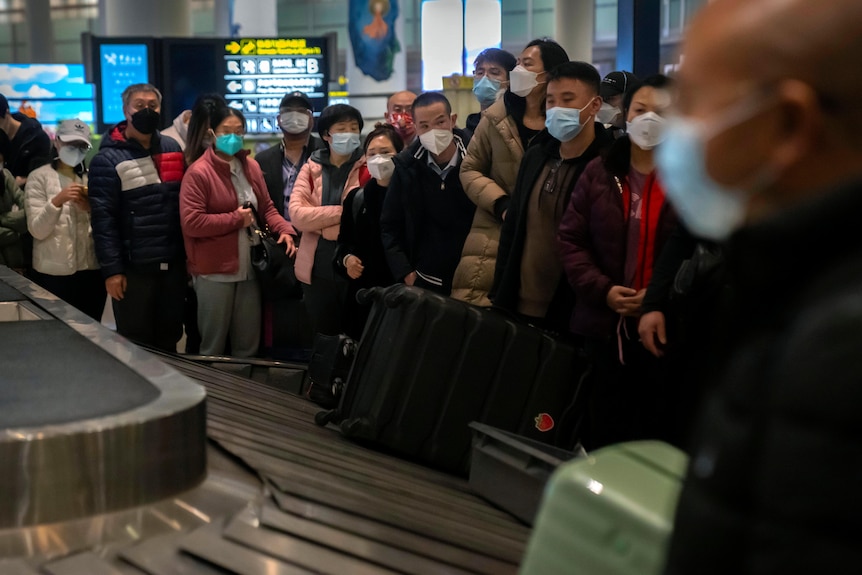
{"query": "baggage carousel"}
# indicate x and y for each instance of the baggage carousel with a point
(118, 460)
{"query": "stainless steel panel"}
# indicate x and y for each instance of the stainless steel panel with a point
(227, 490)
(17, 567)
(161, 555)
(281, 545)
(207, 543)
(20, 311)
(85, 468)
(81, 564)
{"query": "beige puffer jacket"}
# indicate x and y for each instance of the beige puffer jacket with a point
(62, 237)
(488, 173)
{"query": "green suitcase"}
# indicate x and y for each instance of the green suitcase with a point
(610, 513)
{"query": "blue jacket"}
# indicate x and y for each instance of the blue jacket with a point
(134, 196)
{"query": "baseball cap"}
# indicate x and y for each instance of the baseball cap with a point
(296, 98)
(73, 131)
(617, 83)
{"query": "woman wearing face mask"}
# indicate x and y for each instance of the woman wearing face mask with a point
(490, 168)
(215, 224)
(610, 237)
(58, 218)
(359, 253)
(315, 210)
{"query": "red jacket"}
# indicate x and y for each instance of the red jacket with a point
(208, 204)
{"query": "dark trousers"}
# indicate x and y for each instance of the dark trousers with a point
(324, 300)
(84, 290)
(151, 312)
(627, 401)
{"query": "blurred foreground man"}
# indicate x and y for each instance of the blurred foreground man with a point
(767, 152)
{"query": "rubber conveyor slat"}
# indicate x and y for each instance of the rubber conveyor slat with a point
(316, 475)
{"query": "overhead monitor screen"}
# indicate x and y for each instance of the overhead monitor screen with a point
(121, 65)
(50, 93)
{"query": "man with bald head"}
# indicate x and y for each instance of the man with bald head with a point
(399, 114)
(766, 155)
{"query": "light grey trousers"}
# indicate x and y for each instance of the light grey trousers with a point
(229, 309)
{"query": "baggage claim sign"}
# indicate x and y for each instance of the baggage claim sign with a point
(260, 71)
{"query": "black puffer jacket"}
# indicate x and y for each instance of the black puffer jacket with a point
(134, 195)
(778, 460)
(425, 219)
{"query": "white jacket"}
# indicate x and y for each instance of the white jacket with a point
(62, 237)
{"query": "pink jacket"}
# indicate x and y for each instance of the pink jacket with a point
(312, 219)
(208, 215)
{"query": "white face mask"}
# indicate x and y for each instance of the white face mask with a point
(646, 130)
(607, 114)
(522, 81)
(381, 167)
(435, 141)
(344, 143)
(293, 122)
(72, 155)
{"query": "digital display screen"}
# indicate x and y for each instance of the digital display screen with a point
(258, 72)
(121, 65)
(49, 93)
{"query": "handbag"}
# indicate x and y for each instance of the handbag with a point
(273, 267)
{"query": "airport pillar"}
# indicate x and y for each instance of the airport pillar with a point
(638, 23)
(573, 27)
(40, 30)
(221, 10)
(151, 18)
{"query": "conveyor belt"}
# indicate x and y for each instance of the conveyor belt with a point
(335, 494)
(282, 495)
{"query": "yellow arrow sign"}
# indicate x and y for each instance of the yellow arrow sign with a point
(249, 47)
(233, 47)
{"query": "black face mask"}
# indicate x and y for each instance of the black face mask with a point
(146, 121)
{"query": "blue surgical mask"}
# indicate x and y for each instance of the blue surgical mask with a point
(228, 144)
(564, 123)
(708, 209)
(344, 143)
(486, 90)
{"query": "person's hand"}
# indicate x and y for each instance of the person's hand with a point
(290, 245)
(652, 331)
(116, 286)
(246, 215)
(21, 181)
(624, 300)
(354, 266)
(72, 193)
(410, 278)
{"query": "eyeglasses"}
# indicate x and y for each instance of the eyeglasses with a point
(140, 105)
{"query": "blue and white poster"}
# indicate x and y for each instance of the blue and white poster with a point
(372, 36)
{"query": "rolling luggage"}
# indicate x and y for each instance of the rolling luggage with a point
(428, 365)
(330, 363)
(610, 513)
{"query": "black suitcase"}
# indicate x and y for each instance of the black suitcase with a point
(428, 365)
(331, 359)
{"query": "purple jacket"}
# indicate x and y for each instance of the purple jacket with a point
(592, 241)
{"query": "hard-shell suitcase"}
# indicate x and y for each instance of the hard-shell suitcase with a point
(331, 359)
(428, 365)
(610, 513)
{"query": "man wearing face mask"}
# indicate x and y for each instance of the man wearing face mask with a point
(529, 277)
(399, 115)
(426, 214)
(765, 155)
(282, 163)
(134, 188)
(615, 226)
(614, 87)
(490, 80)
(315, 210)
